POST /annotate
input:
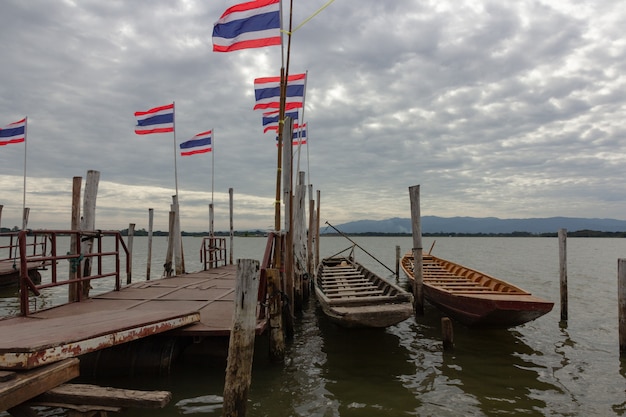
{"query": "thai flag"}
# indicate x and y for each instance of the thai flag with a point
(156, 120)
(201, 143)
(13, 133)
(299, 135)
(254, 24)
(267, 92)
(270, 119)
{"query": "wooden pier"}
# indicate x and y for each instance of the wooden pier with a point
(199, 304)
(196, 304)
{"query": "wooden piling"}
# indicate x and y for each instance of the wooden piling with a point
(129, 244)
(232, 229)
(73, 292)
(447, 333)
(25, 218)
(276, 330)
(177, 242)
(418, 281)
(563, 272)
(317, 232)
(1, 206)
(311, 234)
(89, 223)
(169, 256)
(241, 344)
(398, 255)
(621, 296)
(211, 221)
(150, 225)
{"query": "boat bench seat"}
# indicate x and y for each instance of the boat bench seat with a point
(341, 274)
(342, 285)
(355, 294)
(367, 288)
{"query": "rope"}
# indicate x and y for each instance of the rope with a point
(312, 16)
(75, 262)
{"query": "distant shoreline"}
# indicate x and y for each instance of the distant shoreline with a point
(260, 233)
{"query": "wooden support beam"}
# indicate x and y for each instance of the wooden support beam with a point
(94, 395)
(29, 384)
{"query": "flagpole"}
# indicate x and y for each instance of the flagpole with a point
(212, 163)
(24, 187)
(175, 151)
(284, 74)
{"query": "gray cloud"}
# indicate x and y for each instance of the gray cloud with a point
(507, 110)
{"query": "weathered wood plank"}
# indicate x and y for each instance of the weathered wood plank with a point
(86, 394)
(29, 384)
(7, 376)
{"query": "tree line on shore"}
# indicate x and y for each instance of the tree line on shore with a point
(260, 233)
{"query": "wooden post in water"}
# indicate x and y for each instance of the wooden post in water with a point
(150, 225)
(131, 237)
(73, 292)
(563, 272)
(309, 244)
(418, 281)
(317, 232)
(88, 223)
(211, 221)
(287, 187)
(311, 234)
(398, 263)
(232, 229)
(241, 344)
(177, 242)
(274, 297)
(25, 218)
(167, 267)
(1, 206)
(447, 333)
(621, 297)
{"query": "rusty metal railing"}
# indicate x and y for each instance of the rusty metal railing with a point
(213, 252)
(81, 264)
(37, 245)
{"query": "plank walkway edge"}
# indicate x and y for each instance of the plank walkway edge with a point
(12, 358)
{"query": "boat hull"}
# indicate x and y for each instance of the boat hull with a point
(352, 296)
(474, 298)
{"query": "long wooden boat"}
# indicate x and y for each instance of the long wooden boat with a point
(475, 298)
(353, 296)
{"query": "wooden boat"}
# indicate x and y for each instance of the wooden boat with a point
(474, 298)
(353, 296)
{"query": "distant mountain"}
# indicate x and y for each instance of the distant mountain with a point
(434, 224)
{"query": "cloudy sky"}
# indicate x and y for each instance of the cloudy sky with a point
(505, 109)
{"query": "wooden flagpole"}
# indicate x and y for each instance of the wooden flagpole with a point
(284, 73)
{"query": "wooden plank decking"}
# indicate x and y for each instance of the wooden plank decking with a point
(138, 310)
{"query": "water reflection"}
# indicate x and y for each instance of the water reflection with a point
(364, 370)
(487, 364)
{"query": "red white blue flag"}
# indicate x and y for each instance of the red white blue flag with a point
(270, 119)
(267, 92)
(13, 133)
(299, 135)
(156, 120)
(254, 24)
(201, 143)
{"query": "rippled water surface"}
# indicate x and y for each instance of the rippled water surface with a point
(543, 368)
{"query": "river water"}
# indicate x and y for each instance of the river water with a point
(543, 368)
